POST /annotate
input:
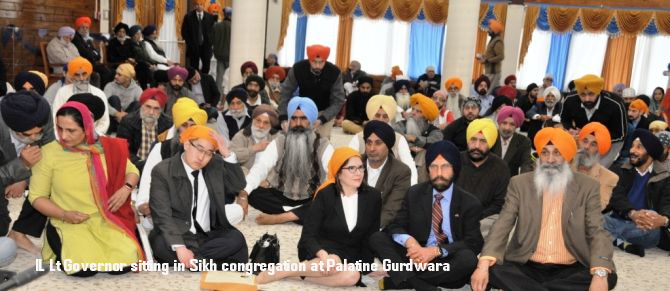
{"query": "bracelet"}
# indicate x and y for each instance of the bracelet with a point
(129, 186)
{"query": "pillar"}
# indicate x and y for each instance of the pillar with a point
(513, 33)
(247, 37)
(273, 26)
(459, 48)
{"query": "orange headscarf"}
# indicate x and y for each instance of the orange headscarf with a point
(197, 132)
(496, 26)
(639, 105)
(601, 133)
(317, 51)
(82, 20)
(428, 106)
(214, 8)
(339, 158)
(396, 71)
(77, 64)
(454, 81)
(558, 137)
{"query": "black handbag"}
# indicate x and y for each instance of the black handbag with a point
(266, 250)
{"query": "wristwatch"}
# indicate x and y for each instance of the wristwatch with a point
(600, 273)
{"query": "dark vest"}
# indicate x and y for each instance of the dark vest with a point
(231, 123)
(316, 88)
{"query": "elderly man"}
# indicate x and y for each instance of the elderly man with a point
(547, 82)
(355, 115)
(592, 103)
(192, 183)
(593, 142)
(123, 94)
(254, 139)
(319, 80)
(401, 91)
(559, 242)
(494, 55)
(445, 116)
(119, 48)
(429, 82)
(640, 203)
(25, 126)
(512, 147)
(79, 72)
(482, 174)
(455, 99)
(540, 113)
(450, 235)
(455, 132)
(384, 172)
(290, 169)
(236, 117)
(628, 96)
(196, 32)
(177, 77)
(155, 53)
(61, 50)
(384, 108)
(146, 126)
(636, 120)
(419, 131)
(84, 43)
(353, 73)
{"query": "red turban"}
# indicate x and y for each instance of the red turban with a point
(249, 64)
(154, 94)
(275, 70)
(317, 51)
(82, 20)
(509, 79)
(215, 7)
(507, 91)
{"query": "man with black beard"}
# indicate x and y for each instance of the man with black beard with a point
(636, 119)
(483, 174)
(254, 139)
(640, 202)
(455, 131)
(177, 77)
(236, 117)
(482, 85)
(559, 242)
(438, 223)
(355, 115)
(594, 141)
(255, 87)
(592, 103)
(291, 167)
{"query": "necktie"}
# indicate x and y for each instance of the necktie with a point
(198, 228)
(437, 219)
(200, 31)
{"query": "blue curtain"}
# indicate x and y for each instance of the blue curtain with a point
(558, 57)
(300, 34)
(425, 47)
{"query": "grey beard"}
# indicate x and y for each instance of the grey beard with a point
(582, 159)
(403, 100)
(237, 114)
(259, 134)
(147, 118)
(297, 162)
(80, 86)
(416, 127)
(552, 179)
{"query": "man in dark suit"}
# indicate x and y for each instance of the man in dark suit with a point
(512, 147)
(385, 173)
(195, 30)
(449, 236)
(187, 203)
(203, 88)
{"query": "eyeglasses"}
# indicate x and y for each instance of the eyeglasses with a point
(354, 169)
(201, 150)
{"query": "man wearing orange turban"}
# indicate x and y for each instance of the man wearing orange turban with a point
(196, 30)
(592, 103)
(494, 55)
(316, 79)
(545, 250)
(83, 41)
(196, 183)
(455, 99)
(594, 141)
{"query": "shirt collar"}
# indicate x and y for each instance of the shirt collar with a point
(649, 170)
(381, 167)
(188, 168)
(445, 193)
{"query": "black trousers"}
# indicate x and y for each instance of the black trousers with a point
(222, 246)
(30, 221)
(272, 201)
(115, 102)
(56, 246)
(512, 276)
(461, 263)
(204, 54)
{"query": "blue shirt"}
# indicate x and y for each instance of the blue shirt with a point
(446, 223)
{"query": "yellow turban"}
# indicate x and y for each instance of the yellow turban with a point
(385, 102)
(340, 156)
(428, 106)
(658, 125)
(198, 132)
(593, 83)
(454, 81)
(486, 127)
(560, 138)
(186, 109)
(639, 105)
(126, 70)
(77, 64)
(44, 77)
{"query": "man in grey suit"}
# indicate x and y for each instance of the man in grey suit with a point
(559, 242)
(187, 200)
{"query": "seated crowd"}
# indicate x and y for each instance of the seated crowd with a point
(429, 176)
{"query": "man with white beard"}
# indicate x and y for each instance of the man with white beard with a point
(293, 164)
(594, 141)
(402, 93)
(419, 131)
(254, 139)
(559, 242)
(236, 117)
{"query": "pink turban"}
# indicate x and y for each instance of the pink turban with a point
(514, 112)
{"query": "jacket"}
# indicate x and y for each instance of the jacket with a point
(189, 32)
(241, 145)
(518, 154)
(60, 53)
(494, 55)
(610, 112)
(221, 40)
(209, 89)
(393, 183)
(607, 180)
(131, 129)
(657, 191)
(455, 132)
(86, 49)
(117, 52)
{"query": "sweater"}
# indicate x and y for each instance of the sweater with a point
(488, 182)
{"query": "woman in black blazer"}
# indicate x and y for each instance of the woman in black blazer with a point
(343, 215)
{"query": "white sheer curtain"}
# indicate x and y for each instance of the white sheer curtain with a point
(587, 55)
(380, 44)
(322, 29)
(128, 16)
(535, 64)
(167, 37)
(286, 55)
(652, 55)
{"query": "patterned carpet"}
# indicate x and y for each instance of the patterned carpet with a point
(635, 273)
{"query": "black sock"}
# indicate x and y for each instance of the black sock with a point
(634, 249)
